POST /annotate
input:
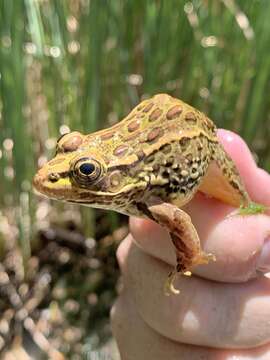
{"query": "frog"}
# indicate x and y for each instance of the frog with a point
(149, 165)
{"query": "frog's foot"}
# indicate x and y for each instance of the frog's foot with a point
(169, 288)
(252, 208)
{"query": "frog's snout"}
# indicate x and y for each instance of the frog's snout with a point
(43, 178)
(52, 182)
(39, 179)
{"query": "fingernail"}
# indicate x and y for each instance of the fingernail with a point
(263, 264)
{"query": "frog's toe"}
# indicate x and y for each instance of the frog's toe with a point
(204, 258)
(169, 286)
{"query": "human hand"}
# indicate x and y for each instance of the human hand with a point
(223, 310)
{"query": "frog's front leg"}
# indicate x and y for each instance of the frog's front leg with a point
(184, 237)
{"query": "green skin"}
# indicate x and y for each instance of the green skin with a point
(252, 209)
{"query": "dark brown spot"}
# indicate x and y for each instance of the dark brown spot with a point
(166, 173)
(150, 159)
(174, 112)
(154, 134)
(190, 117)
(72, 143)
(133, 125)
(166, 149)
(234, 184)
(142, 207)
(118, 202)
(176, 181)
(169, 161)
(155, 114)
(107, 135)
(184, 142)
(140, 154)
(120, 150)
(148, 107)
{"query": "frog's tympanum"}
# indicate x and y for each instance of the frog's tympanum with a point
(148, 165)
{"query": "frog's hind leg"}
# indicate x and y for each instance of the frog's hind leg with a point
(184, 237)
(222, 180)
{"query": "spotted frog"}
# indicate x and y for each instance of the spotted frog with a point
(148, 165)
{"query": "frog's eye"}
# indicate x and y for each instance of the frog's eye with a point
(86, 171)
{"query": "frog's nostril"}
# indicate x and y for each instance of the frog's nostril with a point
(38, 180)
(53, 177)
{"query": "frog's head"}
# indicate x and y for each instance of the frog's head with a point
(82, 171)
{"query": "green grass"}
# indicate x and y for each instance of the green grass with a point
(71, 63)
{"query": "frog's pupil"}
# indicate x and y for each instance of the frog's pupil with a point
(87, 168)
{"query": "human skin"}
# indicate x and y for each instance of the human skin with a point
(223, 309)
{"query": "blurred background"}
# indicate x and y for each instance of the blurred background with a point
(82, 65)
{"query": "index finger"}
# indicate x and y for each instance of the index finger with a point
(241, 244)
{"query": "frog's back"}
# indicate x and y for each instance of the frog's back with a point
(152, 124)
